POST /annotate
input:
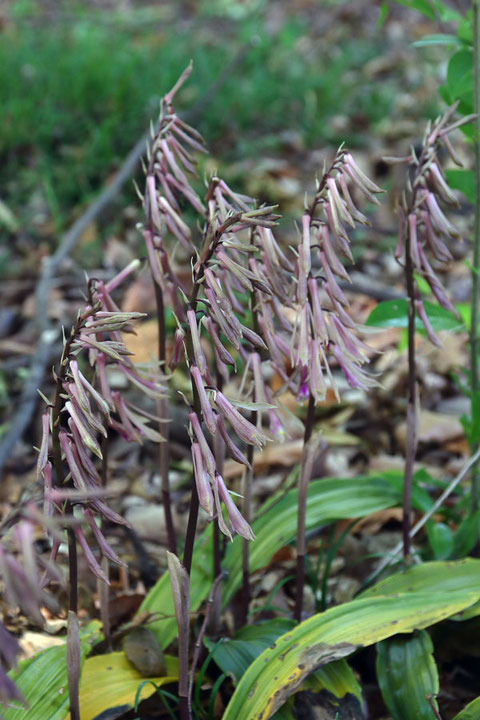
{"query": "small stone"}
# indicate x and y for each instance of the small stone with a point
(144, 652)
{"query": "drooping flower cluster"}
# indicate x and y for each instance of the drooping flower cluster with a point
(423, 228)
(225, 269)
(238, 264)
(83, 412)
(224, 272)
(322, 325)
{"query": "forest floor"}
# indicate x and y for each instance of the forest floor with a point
(329, 71)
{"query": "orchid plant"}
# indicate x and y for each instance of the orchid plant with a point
(246, 309)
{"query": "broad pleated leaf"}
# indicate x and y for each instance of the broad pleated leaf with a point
(333, 687)
(407, 674)
(418, 599)
(328, 499)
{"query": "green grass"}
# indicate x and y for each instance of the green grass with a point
(76, 95)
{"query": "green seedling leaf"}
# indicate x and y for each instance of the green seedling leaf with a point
(470, 711)
(423, 6)
(42, 680)
(382, 15)
(441, 540)
(465, 29)
(407, 674)
(467, 535)
(460, 79)
(394, 313)
(328, 499)
(463, 180)
(413, 600)
(439, 39)
(111, 680)
(421, 500)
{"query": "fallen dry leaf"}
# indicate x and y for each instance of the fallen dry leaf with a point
(433, 428)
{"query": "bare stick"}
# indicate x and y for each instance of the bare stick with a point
(411, 436)
(438, 503)
(474, 498)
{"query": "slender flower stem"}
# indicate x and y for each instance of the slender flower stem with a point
(431, 701)
(248, 481)
(246, 511)
(59, 480)
(219, 451)
(191, 528)
(72, 571)
(474, 498)
(411, 434)
(164, 425)
(198, 645)
(214, 615)
(102, 587)
(302, 510)
(162, 405)
(73, 607)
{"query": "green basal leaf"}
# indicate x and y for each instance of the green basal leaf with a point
(409, 601)
(407, 674)
(233, 656)
(42, 680)
(421, 500)
(470, 711)
(446, 13)
(329, 499)
(394, 313)
(450, 576)
(335, 689)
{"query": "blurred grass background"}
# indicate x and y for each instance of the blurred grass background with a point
(79, 83)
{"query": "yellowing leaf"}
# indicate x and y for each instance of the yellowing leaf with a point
(42, 680)
(111, 680)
